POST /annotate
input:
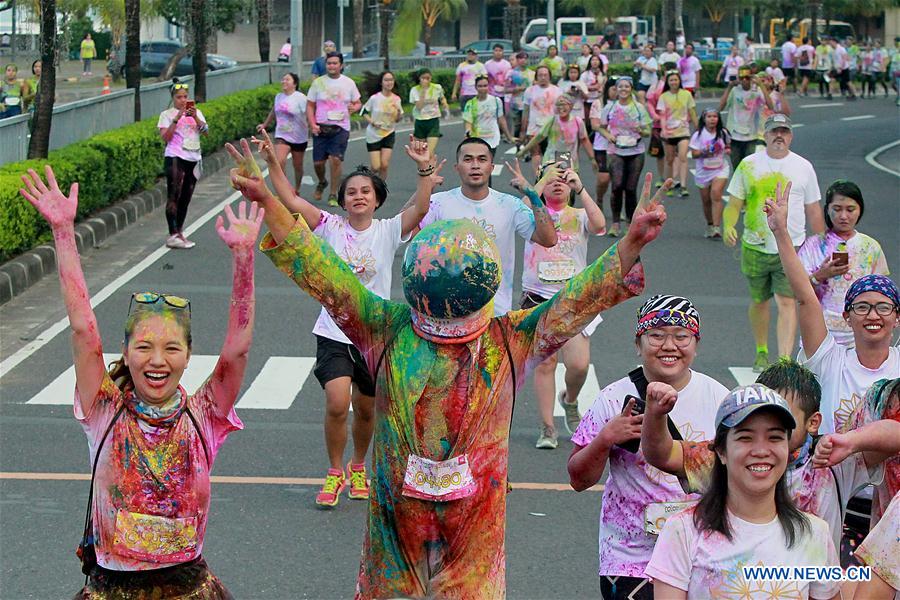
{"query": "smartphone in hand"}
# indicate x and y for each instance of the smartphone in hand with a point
(638, 409)
(564, 160)
(841, 259)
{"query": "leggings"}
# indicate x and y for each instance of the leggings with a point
(180, 182)
(625, 172)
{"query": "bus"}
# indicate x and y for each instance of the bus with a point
(800, 28)
(572, 32)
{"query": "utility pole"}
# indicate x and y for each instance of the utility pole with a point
(551, 17)
(297, 35)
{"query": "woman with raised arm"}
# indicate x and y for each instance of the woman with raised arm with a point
(152, 446)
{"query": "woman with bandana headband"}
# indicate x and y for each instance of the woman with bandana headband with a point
(152, 445)
(667, 336)
(445, 373)
(872, 311)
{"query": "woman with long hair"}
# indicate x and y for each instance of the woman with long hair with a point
(608, 95)
(180, 127)
(152, 444)
(428, 102)
(383, 110)
(291, 126)
(594, 78)
(577, 91)
(746, 517)
(840, 256)
(709, 146)
(678, 113)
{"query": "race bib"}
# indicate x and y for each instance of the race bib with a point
(286, 127)
(556, 271)
(335, 115)
(655, 514)
(438, 481)
(753, 238)
(153, 538)
(741, 130)
(626, 141)
(713, 162)
(12, 101)
(191, 143)
(674, 123)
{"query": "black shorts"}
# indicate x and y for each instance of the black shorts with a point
(530, 300)
(385, 143)
(641, 87)
(674, 141)
(294, 147)
(805, 72)
(600, 157)
(336, 359)
(426, 128)
(332, 141)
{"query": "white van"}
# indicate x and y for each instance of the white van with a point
(572, 32)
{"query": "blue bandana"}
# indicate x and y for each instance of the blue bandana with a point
(872, 283)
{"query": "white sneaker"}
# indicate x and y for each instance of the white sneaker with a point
(188, 244)
(173, 241)
(709, 231)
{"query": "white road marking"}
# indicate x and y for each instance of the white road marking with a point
(870, 158)
(857, 118)
(586, 397)
(821, 105)
(796, 125)
(511, 150)
(275, 387)
(743, 375)
(497, 170)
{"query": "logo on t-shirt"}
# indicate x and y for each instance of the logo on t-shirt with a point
(362, 263)
(488, 227)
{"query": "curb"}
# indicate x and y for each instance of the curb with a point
(22, 272)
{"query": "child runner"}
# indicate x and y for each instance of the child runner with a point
(291, 125)
(428, 101)
(540, 102)
(367, 245)
(562, 134)
(577, 91)
(545, 272)
(709, 146)
(466, 72)
(483, 116)
(382, 111)
(152, 445)
(745, 517)
(667, 336)
(181, 127)
(678, 114)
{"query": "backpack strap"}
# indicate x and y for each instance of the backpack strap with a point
(639, 379)
(200, 433)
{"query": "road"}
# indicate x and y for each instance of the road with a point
(265, 538)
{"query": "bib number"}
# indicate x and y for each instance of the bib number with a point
(556, 271)
(438, 481)
(191, 143)
(626, 141)
(335, 115)
(674, 123)
(153, 538)
(12, 101)
(655, 514)
(714, 162)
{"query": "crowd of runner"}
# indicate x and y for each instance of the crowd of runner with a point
(701, 481)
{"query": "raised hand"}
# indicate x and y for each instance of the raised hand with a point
(572, 180)
(246, 177)
(551, 173)
(436, 177)
(418, 151)
(831, 450)
(265, 147)
(646, 203)
(517, 181)
(661, 398)
(243, 228)
(777, 208)
(53, 205)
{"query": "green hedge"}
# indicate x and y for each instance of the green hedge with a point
(116, 163)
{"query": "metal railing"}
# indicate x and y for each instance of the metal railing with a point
(13, 138)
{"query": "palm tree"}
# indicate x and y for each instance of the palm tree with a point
(416, 14)
(384, 22)
(133, 52)
(201, 32)
(262, 29)
(39, 145)
(359, 9)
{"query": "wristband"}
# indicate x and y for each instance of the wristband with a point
(426, 171)
(579, 191)
(814, 281)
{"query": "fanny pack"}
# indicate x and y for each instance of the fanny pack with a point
(329, 130)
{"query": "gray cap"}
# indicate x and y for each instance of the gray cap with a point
(744, 400)
(778, 120)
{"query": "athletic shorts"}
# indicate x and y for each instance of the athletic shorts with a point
(764, 274)
(330, 143)
(427, 128)
(805, 72)
(301, 147)
(674, 141)
(641, 87)
(385, 143)
(600, 157)
(336, 359)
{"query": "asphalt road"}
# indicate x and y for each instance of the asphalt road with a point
(265, 538)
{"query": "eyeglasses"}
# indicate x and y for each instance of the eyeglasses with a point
(863, 309)
(657, 338)
(154, 297)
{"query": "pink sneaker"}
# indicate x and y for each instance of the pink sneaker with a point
(359, 485)
(335, 482)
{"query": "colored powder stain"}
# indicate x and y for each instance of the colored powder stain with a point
(758, 189)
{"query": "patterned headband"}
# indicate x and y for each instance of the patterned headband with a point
(668, 311)
(872, 283)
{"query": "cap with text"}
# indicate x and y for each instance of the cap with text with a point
(743, 401)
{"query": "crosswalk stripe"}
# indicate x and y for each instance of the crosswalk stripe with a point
(586, 397)
(857, 118)
(821, 105)
(278, 383)
(796, 125)
(743, 375)
(497, 170)
(510, 151)
(275, 387)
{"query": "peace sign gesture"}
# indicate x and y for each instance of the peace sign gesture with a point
(777, 208)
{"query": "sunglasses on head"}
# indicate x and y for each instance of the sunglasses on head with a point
(180, 86)
(154, 297)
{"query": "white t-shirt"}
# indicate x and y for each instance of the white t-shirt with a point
(689, 66)
(648, 78)
(541, 103)
(714, 166)
(880, 548)
(844, 381)
(590, 78)
(431, 107)
(467, 72)
(577, 97)
(543, 267)
(369, 254)
(384, 112)
(776, 74)
(333, 96)
(708, 565)
(756, 179)
(290, 118)
(483, 115)
(841, 58)
(810, 55)
(625, 546)
(788, 50)
(502, 216)
(669, 57)
(600, 141)
(732, 64)
(497, 71)
(185, 142)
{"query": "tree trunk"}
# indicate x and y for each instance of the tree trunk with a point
(198, 23)
(426, 38)
(678, 9)
(262, 29)
(173, 61)
(385, 22)
(665, 23)
(39, 145)
(813, 22)
(359, 9)
(133, 52)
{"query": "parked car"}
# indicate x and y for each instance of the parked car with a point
(371, 51)
(486, 46)
(155, 55)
